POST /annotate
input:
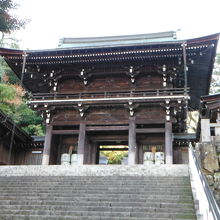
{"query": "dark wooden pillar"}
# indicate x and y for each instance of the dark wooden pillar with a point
(140, 154)
(132, 141)
(59, 149)
(81, 142)
(87, 152)
(168, 142)
(94, 152)
(47, 145)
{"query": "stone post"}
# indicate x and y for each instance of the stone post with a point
(205, 130)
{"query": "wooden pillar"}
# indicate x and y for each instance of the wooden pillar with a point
(59, 150)
(90, 153)
(81, 142)
(132, 141)
(168, 142)
(47, 145)
(94, 152)
(87, 152)
(97, 155)
(140, 154)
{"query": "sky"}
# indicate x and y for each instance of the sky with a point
(51, 20)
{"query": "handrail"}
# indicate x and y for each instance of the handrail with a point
(106, 94)
(209, 209)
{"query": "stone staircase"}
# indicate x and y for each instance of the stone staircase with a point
(96, 193)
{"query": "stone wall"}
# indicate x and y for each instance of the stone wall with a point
(209, 155)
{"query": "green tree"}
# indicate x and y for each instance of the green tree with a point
(7, 73)
(13, 104)
(114, 157)
(29, 120)
(9, 22)
(12, 96)
(215, 84)
(7, 94)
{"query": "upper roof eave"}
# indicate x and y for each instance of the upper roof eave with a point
(7, 51)
(159, 35)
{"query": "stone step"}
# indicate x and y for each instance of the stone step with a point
(109, 181)
(97, 203)
(94, 189)
(97, 170)
(96, 193)
(102, 198)
(92, 193)
(37, 217)
(92, 178)
(152, 214)
(96, 208)
(98, 183)
(136, 188)
(54, 176)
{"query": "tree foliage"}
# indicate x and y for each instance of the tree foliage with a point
(12, 95)
(6, 74)
(114, 157)
(215, 84)
(13, 104)
(9, 22)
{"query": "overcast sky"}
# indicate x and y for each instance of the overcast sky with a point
(54, 19)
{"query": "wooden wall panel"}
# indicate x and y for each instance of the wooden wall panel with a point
(109, 83)
(67, 116)
(26, 157)
(149, 82)
(104, 116)
(4, 153)
(151, 113)
(180, 155)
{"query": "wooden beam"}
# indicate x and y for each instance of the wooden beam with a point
(150, 130)
(132, 141)
(81, 142)
(65, 132)
(100, 138)
(47, 145)
(168, 142)
(106, 128)
(149, 121)
(113, 149)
